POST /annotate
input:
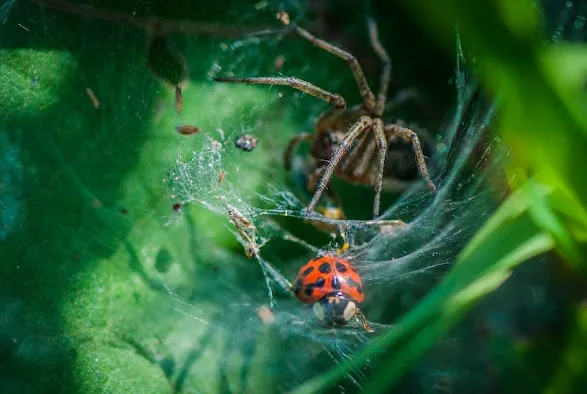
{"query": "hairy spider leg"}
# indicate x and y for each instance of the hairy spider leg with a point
(364, 159)
(382, 153)
(368, 96)
(313, 179)
(385, 77)
(411, 136)
(336, 99)
(293, 143)
(332, 206)
(359, 126)
(377, 144)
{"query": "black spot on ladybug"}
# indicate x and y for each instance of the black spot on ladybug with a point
(307, 271)
(320, 283)
(324, 268)
(297, 286)
(352, 283)
(340, 267)
(309, 290)
(336, 282)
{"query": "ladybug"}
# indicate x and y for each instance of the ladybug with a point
(333, 285)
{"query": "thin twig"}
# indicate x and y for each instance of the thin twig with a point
(157, 23)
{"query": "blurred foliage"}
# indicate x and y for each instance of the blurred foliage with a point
(82, 305)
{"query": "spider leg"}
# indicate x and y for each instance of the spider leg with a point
(368, 96)
(361, 148)
(296, 83)
(365, 159)
(382, 153)
(332, 208)
(385, 77)
(411, 136)
(293, 143)
(361, 125)
(313, 179)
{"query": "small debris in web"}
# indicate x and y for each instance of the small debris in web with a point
(247, 231)
(93, 98)
(246, 142)
(221, 176)
(177, 206)
(278, 64)
(260, 5)
(178, 99)
(124, 211)
(187, 129)
(283, 17)
(216, 146)
(388, 227)
(265, 314)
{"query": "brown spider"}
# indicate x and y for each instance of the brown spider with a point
(343, 131)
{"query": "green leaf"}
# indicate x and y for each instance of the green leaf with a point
(97, 265)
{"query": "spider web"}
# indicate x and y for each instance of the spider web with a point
(398, 265)
(269, 338)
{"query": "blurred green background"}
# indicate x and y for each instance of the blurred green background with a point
(120, 271)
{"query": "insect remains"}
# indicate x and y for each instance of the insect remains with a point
(246, 142)
(187, 129)
(93, 98)
(351, 143)
(221, 176)
(247, 231)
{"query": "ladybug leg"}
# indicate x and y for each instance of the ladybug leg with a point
(345, 246)
(361, 318)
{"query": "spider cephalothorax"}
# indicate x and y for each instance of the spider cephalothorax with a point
(357, 152)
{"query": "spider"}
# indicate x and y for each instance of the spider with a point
(344, 132)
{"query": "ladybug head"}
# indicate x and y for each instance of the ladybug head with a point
(335, 309)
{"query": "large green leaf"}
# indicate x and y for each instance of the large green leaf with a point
(96, 263)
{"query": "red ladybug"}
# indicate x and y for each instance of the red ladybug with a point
(335, 288)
